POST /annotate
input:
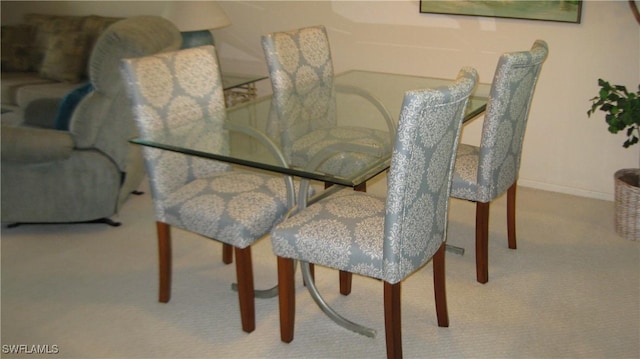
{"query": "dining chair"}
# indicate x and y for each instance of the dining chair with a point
(303, 117)
(178, 96)
(303, 111)
(483, 173)
(387, 239)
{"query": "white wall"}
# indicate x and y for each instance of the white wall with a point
(564, 150)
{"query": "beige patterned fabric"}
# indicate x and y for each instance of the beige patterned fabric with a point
(94, 26)
(66, 57)
(48, 26)
(390, 238)
(17, 41)
(178, 97)
(38, 42)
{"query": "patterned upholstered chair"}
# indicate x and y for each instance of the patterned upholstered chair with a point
(303, 110)
(386, 239)
(484, 173)
(179, 95)
(304, 104)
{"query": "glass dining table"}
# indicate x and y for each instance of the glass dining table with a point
(316, 134)
(258, 137)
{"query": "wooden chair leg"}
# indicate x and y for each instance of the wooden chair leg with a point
(244, 274)
(439, 287)
(164, 261)
(286, 298)
(227, 253)
(393, 319)
(482, 242)
(345, 282)
(511, 216)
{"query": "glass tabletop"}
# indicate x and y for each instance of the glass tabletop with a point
(341, 132)
(231, 80)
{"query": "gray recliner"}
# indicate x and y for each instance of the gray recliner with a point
(86, 173)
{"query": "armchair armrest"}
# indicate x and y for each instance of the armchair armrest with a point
(35, 145)
(41, 113)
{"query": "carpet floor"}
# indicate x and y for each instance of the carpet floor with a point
(570, 290)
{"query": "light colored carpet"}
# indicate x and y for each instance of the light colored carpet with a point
(570, 290)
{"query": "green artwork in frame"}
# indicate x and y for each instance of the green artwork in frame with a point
(548, 10)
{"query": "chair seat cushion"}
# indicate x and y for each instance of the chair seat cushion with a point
(464, 184)
(234, 207)
(343, 231)
(340, 151)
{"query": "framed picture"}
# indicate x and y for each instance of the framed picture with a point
(549, 10)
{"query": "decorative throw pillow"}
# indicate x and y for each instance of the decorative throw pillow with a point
(16, 48)
(65, 58)
(48, 26)
(68, 105)
(94, 26)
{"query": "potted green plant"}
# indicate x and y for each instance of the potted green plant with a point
(622, 110)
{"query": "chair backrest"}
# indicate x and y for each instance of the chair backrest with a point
(178, 98)
(301, 72)
(505, 121)
(419, 181)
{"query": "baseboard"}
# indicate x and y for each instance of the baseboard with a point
(566, 190)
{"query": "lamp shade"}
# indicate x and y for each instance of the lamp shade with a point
(196, 15)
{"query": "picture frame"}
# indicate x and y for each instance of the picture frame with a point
(559, 10)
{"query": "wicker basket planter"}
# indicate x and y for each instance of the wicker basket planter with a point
(627, 203)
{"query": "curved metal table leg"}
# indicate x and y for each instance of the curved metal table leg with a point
(454, 249)
(260, 293)
(340, 320)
